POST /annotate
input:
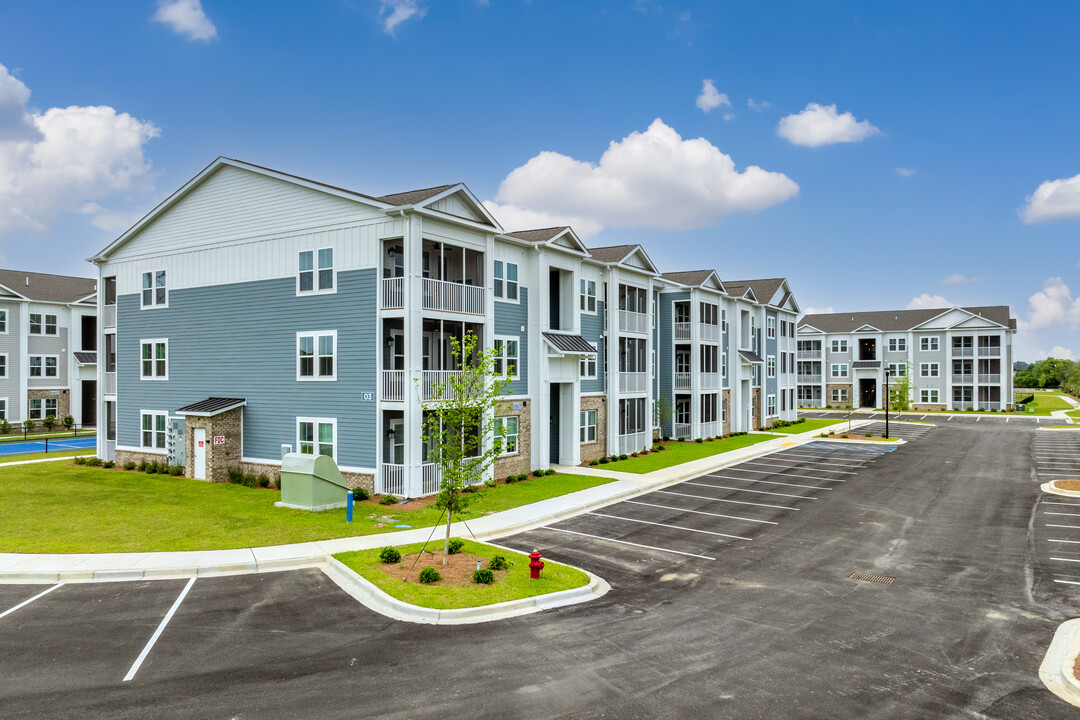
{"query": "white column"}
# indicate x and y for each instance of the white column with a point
(612, 368)
(412, 246)
(695, 365)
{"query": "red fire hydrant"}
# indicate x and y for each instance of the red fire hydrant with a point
(535, 565)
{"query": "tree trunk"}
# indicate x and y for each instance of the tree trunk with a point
(446, 545)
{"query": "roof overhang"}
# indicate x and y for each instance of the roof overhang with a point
(568, 344)
(211, 407)
(750, 358)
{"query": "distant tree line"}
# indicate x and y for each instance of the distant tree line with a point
(1049, 373)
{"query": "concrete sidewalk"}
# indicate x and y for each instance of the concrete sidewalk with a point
(50, 568)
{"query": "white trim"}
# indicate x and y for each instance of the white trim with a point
(844, 366)
(4, 374)
(44, 409)
(6, 318)
(153, 342)
(925, 366)
(505, 270)
(501, 419)
(503, 357)
(316, 377)
(930, 340)
(315, 269)
(277, 463)
(154, 431)
(316, 421)
(153, 289)
(585, 296)
(4, 409)
(596, 434)
(43, 374)
(148, 451)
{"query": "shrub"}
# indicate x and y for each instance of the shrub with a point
(389, 555)
(633, 454)
(498, 562)
(129, 465)
(593, 463)
(523, 477)
(151, 468)
(28, 425)
(93, 461)
(80, 460)
(5, 426)
(469, 489)
(235, 476)
(698, 440)
(176, 470)
(264, 482)
(360, 494)
(844, 436)
(681, 439)
(489, 483)
(666, 438)
(250, 481)
(485, 576)
(429, 575)
(549, 471)
(511, 479)
(869, 433)
(602, 461)
(49, 422)
(108, 464)
(163, 468)
(658, 448)
(456, 545)
(69, 422)
(538, 473)
(387, 499)
(623, 456)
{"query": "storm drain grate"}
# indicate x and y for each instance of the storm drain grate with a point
(867, 577)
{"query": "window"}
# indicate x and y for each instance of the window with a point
(898, 369)
(3, 365)
(723, 410)
(315, 355)
(506, 280)
(707, 313)
(708, 408)
(838, 370)
(770, 366)
(506, 357)
(928, 343)
(587, 367)
(3, 322)
(633, 299)
(723, 320)
(41, 408)
(155, 359)
(42, 366)
(897, 344)
(631, 416)
(315, 272)
(35, 323)
(154, 291)
(153, 430)
(50, 324)
(839, 346)
(632, 355)
(509, 425)
(723, 367)
(317, 436)
(770, 329)
(928, 370)
(839, 395)
(39, 324)
(770, 404)
(588, 426)
(3, 409)
(928, 395)
(710, 355)
(588, 296)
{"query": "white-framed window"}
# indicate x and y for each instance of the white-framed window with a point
(505, 286)
(316, 355)
(40, 324)
(587, 430)
(709, 407)
(154, 364)
(770, 328)
(3, 365)
(155, 292)
(587, 367)
(3, 408)
(770, 404)
(838, 370)
(839, 346)
(770, 366)
(588, 296)
(898, 369)
(723, 321)
(153, 429)
(41, 408)
(3, 321)
(723, 410)
(315, 272)
(506, 356)
(723, 366)
(839, 394)
(510, 439)
(317, 436)
(929, 369)
(897, 344)
(41, 366)
(927, 343)
(928, 395)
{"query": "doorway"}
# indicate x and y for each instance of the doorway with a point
(553, 412)
(868, 393)
(199, 441)
(89, 403)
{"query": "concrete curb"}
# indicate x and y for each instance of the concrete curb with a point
(1056, 670)
(1048, 487)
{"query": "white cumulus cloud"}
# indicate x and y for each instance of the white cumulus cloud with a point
(1053, 306)
(819, 125)
(818, 311)
(710, 98)
(647, 179)
(905, 172)
(186, 17)
(926, 301)
(1059, 352)
(78, 155)
(515, 218)
(394, 12)
(960, 279)
(757, 106)
(1053, 200)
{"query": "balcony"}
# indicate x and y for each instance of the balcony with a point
(436, 295)
(633, 322)
(808, 354)
(110, 383)
(633, 442)
(392, 387)
(682, 331)
(110, 317)
(989, 379)
(988, 405)
(811, 403)
(431, 478)
(682, 381)
(431, 380)
(682, 430)
(809, 379)
(963, 379)
(709, 380)
(962, 351)
(709, 332)
(990, 351)
(393, 293)
(633, 381)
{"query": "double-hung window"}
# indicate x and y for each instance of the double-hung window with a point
(928, 343)
(3, 322)
(155, 292)
(928, 370)
(506, 356)
(42, 324)
(770, 404)
(839, 346)
(3, 409)
(41, 408)
(153, 430)
(770, 327)
(928, 395)
(838, 370)
(3, 365)
(588, 296)
(588, 426)
(508, 428)
(897, 344)
(316, 354)
(155, 359)
(587, 367)
(315, 272)
(42, 366)
(898, 369)
(770, 366)
(839, 395)
(505, 286)
(317, 436)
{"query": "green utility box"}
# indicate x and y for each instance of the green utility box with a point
(311, 482)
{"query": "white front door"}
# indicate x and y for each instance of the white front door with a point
(200, 454)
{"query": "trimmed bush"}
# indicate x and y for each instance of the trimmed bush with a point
(69, 422)
(699, 440)
(235, 476)
(389, 555)
(489, 483)
(869, 433)
(550, 471)
(602, 461)
(93, 461)
(523, 477)
(538, 473)
(510, 479)
(80, 460)
(498, 562)
(633, 454)
(844, 436)
(176, 470)
(129, 465)
(5, 426)
(456, 545)
(623, 456)
(108, 464)
(359, 494)
(387, 499)
(681, 439)
(484, 576)
(250, 481)
(593, 463)
(151, 468)
(264, 482)
(429, 575)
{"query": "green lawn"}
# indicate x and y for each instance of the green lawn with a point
(65, 508)
(1046, 402)
(678, 453)
(514, 585)
(46, 456)
(806, 425)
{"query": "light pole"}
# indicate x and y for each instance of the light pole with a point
(887, 373)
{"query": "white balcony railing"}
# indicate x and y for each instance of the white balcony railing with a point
(709, 380)
(963, 379)
(634, 442)
(682, 381)
(682, 331)
(962, 351)
(393, 293)
(709, 429)
(393, 385)
(811, 402)
(809, 379)
(990, 351)
(391, 480)
(633, 381)
(110, 383)
(989, 379)
(453, 297)
(110, 317)
(431, 479)
(682, 430)
(432, 379)
(708, 332)
(986, 405)
(633, 322)
(808, 354)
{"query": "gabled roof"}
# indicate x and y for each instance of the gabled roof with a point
(901, 320)
(763, 289)
(622, 255)
(695, 278)
(561, 236)
(741, 289)
(46, 287)
(411, 197)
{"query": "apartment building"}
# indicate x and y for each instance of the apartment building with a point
(48, 347)
(958, 358)
(255, 311)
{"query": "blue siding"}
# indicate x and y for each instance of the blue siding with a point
(731, 366)
(656, 346)
(666, 362)
(239, 340)
(509, 319)
(770, 349)
(592, 329)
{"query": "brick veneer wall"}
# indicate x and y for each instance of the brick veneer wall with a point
(219, 458)
(928, 407)
(63, 403)
(828, 396)
(595, 450)
(355, 480)
(757, 409)
(521, 462)
(123, 456)
(726, 399)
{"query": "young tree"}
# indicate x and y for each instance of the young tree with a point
(460, 430)
(662, 409)
(69, 422)
(49, 422)
(900, 390)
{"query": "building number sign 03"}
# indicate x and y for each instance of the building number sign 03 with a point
(219, 439)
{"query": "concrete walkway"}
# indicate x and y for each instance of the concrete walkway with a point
(51, 568)
(1061, 414)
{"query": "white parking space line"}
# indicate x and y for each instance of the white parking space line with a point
(160, 629)
(767, 482)
(1070, 527)
(702, 512)
(1067, 582)
(822, 457)
(1060, 513)
(1076, 560)
(1053, 502)
(740, 468)
(950, 419)
(626, 542)
(756, 492)
(797, 466)
(24, 603)
(673, 527)
(1070, 542)
(1057, 474)
(923, 417)
(733, 502)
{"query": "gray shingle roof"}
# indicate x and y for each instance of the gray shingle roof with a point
(538, 235)
(612, 253)
(898, 320)
(49, 288)
(413, 196)
(211, 406)
(689, 277)
(763, 289)
(567, 343)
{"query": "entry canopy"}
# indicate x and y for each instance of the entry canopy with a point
(566, 344)
(750, 357)
(211, 406)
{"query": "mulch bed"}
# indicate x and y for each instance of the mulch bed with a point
(457, 573)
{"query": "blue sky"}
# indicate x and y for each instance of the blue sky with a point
(905, 149)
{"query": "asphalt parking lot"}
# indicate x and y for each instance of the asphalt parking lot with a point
(765, 627)
(937, 417)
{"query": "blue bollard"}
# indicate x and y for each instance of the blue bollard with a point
(348, 506)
